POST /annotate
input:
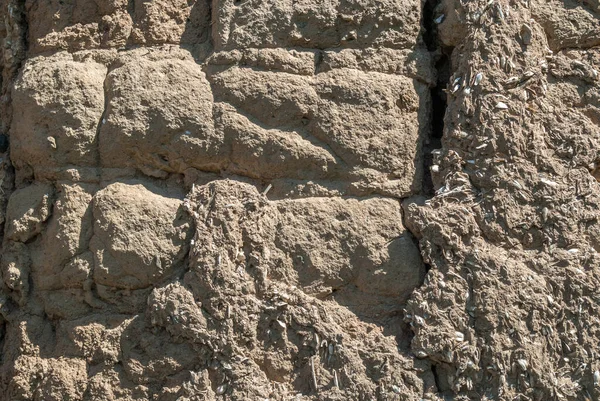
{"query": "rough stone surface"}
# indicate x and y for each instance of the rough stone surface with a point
(299, 200)
(57, 107)
(139, 236)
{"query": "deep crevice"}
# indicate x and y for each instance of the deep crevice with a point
(433, 140)
(439, 103)
(436, 377)
(438, 95)
(442, 61)
(131, 9)
(18, 14)
(429, 30)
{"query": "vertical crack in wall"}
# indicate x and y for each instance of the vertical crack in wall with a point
(441, 58)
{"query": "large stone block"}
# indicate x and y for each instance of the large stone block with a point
(159, 118)
(315, 24)
(140, 235)
(78, 24)
(373, 120)
(58, 104)
(94, 24)
(337, 243)
(361, 126)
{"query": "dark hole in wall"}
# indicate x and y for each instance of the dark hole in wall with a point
(429, 28)
(438, 100)
(436, 377)
(437, 114)
(442, 56)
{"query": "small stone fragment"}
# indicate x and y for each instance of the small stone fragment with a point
(526, 34)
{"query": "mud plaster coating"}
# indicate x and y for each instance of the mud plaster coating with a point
(238, 200)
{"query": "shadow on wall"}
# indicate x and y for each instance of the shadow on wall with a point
(198, 24)
(593, 6)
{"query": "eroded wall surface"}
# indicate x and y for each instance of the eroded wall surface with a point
(510, 307)
(277, 200)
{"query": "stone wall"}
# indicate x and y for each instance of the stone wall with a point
(285, 200)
